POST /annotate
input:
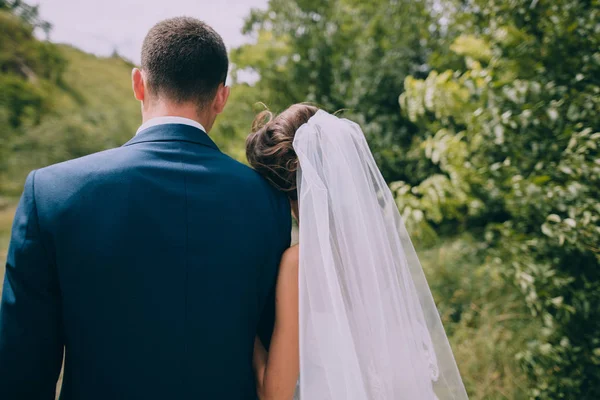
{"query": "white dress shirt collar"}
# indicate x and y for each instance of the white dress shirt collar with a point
(169, 120)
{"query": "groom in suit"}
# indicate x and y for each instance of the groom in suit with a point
(150, 267)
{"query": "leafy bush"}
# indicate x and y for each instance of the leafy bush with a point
(485, 319)
(514, 134)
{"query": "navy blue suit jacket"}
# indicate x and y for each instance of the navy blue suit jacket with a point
(152, 265)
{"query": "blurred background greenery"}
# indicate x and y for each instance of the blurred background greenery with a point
(484, 117)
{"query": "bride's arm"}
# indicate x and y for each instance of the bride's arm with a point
(277, 370)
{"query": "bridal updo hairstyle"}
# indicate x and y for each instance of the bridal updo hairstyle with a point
(269, 148)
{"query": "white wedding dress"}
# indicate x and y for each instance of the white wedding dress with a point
(369, 328)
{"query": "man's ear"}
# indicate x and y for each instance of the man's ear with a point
(137, 82)
(221, 98)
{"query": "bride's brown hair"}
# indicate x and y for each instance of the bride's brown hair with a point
(269, 148)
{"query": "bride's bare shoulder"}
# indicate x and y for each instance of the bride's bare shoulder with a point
(290, 257)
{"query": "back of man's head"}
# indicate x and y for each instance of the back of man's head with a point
(184, 60)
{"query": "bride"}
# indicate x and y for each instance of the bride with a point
(355, 319)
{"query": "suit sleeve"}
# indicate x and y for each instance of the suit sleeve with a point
(31, 341)
(280, 245)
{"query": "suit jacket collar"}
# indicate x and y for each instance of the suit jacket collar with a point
(173, 133)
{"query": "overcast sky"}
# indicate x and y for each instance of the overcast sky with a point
(100, 26)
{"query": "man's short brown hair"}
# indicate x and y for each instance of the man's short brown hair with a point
(184, 60)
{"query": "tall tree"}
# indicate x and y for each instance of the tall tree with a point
(344, 55)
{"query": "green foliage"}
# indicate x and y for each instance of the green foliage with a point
(484, 317)
(493, 156)
(28, 71)
(233, 126)
(344, 54)
(28, 68)
(88, 109)
(514, 135)
(27, 13)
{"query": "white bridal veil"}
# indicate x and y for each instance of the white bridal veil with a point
(369, 328)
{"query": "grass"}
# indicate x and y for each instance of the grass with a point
(485, 318)
(92, 109)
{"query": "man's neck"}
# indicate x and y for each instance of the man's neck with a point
(177, 110)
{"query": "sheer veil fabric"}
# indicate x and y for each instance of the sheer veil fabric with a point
(369, 328)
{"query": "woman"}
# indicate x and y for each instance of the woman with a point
(354, 315)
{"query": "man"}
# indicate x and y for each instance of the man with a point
(152, 265)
